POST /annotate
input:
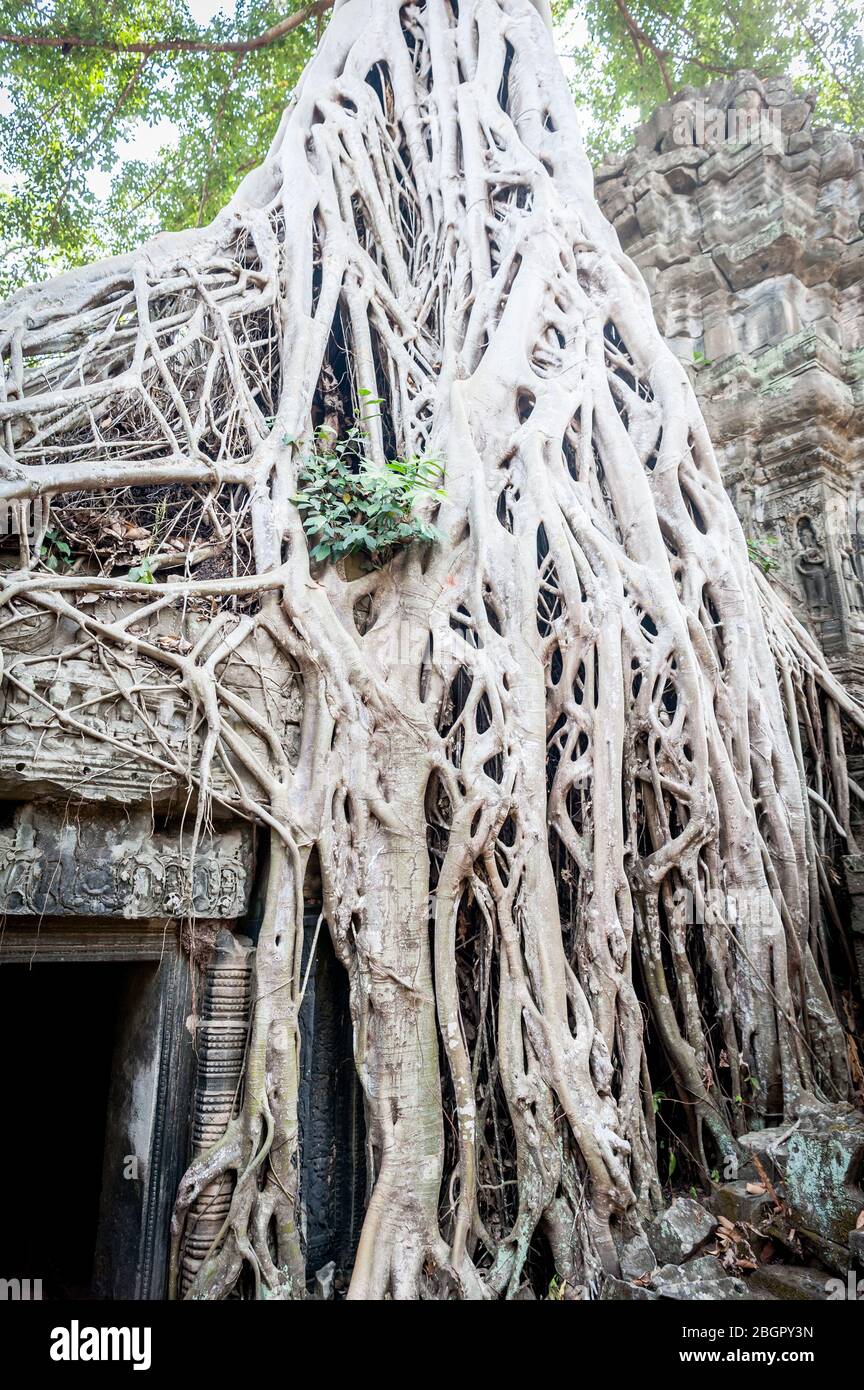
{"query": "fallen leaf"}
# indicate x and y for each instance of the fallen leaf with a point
(859, 1221)
(170, 642)
(756, 1189)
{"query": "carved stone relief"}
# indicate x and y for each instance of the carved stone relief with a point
(57, 861)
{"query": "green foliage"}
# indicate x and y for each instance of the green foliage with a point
(141, 574)
(349, 507)
(55, 552)
(64, 118)
(760, 556)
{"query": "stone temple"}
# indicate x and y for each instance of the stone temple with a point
(745, 218)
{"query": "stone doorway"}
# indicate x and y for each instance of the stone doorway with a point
(97, 1069)
(59, 1033)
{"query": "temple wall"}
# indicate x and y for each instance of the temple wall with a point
(746, 218)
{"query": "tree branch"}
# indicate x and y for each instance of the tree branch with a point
(66, 42)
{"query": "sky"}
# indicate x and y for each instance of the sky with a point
(146, 140)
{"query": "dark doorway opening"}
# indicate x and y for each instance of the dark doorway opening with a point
(59, 1030)
(332, 1128)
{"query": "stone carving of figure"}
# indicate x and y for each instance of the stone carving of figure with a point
(812, 565)
(850, 561)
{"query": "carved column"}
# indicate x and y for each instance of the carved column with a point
(221, 1043)
(854, 864)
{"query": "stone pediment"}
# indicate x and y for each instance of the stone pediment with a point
(62, 861)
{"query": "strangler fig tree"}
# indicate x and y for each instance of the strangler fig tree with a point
(569, 772)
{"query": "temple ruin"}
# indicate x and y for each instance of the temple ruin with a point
(749, 236)
(746, 218)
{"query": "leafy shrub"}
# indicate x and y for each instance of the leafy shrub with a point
(350, 507)
(55, 551)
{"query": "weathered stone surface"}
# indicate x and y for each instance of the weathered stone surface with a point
(692, 1271)
(744, 217)
(59, 863)
(825, 1179)
(220, 1044)
(854, 866)
(127, 735)
(637, 1258)
(819, 1166)
(680, 1230)
(699, 1280)
(770, 1147)
(724, 1288)
(324, 1280)
(789, 1282)
(733, 1201)
(619, 1291)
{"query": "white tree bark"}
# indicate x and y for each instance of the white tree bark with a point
(531, 743)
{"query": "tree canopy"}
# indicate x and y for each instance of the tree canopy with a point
(79, 78)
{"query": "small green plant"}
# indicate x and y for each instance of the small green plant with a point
(141, 574)
(657, 1100)
(55, 552)
(699, 359)
(349, 508)
(760, 556)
